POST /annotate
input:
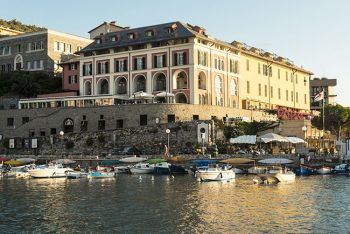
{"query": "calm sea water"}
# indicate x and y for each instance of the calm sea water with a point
(126, 204)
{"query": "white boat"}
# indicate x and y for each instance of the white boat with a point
(215, 173)
(133, 159)
(276, 175)
(142, 168)
(76, 174)
(121, 169)
(324, 170)
(18, 172)
(49, 171)
(237, 170)
(257, 170)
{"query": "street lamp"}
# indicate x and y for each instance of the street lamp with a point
(61, 134)
(167, 131)
(304, 129)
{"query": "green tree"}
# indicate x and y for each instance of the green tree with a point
(337, 119)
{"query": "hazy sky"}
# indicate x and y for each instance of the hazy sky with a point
(312, 33)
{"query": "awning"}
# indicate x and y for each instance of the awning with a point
(272, 137)
(245, 139)
(295, 140)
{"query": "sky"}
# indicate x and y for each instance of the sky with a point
(312, 33)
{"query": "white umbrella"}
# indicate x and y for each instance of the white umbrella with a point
(272, 137)
(275, 161)
(64, 161)
(245, 139)
(165, 94)
(26, 160)
(141, 95)
(295, 140)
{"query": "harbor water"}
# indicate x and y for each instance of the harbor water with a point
(162, 204)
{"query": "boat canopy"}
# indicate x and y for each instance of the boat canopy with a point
(245, 139)
(237, 160)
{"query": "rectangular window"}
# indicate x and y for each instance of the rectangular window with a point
(139, 63)
(279, 73)
(296, 79)
(159, 61)
(222, 66)
(259, 89)
(248, 87)
(122, 65)
(87, 69)
(29, 65)
(247, 65)
(102, 67)
(18, 48)
(42, 132)
(259, 71)
(291, 77)
(83, 126)
(53, 131)
(265, 90)
(279, 93)
(31, 132)
(41, 64)
(56, 46)
(291, 96)
(216, 63)
(296, 97)
(286, 76)
(143, 120)
(101, 124)
(286, 95)
(180, 58)
(305, 101)
(202, 58)
(10, 122)
(271, 92)
(72, 66)
(120, 123)
(171, 118)
(195, 117)
(25, 120)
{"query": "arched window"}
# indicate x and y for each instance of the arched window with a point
(121, 86)
(233, 88)
(202, 84)
(218, 85)
(159, 82)
(180, 98)
(140, 83)
(181, 80)
(87, 88)
(103, 87)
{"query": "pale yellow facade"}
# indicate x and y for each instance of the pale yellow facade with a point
(268, 83)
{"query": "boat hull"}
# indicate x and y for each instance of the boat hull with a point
(300, 171)
(224, 175)
(100, 175)
(49, 172)
(324, 171)
(277, 177)
(257, 170)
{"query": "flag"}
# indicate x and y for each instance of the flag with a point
(319, 96)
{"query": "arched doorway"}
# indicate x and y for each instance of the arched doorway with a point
(202, 81)
(180, 80)
(103, 87)
(68, 125)
(180, 98)
(18, 62)
(159, 82)
(140, 83)
(87, 88)
(121, 86)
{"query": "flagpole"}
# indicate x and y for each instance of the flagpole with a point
(323, 119)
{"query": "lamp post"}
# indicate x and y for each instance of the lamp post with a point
(304, 129)
(61, 134)
(167, 131)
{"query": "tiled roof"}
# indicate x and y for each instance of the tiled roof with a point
(160, 34)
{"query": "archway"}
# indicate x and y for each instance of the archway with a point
(202, 81)
(180, 80)
(68, 125)
(159, 82)
(18, 62)
(103, 87)
(87, 88)
(180, 98)
(140, 83)
(121, 86)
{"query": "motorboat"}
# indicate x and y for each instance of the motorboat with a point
(303, 171)
(49, 171)
(276, 175)
(342, 169)
(76, 174)
(238, 170)
(121, 169)
(215, 173)
(162, 168)
(142, 168)
(257, 170)
(100, 174)
(324, 170)
(177, 169)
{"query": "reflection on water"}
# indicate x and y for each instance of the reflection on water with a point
(161, 204)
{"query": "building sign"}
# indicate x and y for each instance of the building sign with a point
(287, 114)
(12, 143)
(34, 143)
